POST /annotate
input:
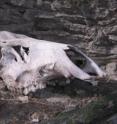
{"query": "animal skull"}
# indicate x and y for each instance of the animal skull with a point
(27, 63)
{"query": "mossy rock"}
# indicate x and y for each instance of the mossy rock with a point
(92, 112)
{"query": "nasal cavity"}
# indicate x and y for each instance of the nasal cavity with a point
(92, 74)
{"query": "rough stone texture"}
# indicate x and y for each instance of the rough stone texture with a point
(89, 24)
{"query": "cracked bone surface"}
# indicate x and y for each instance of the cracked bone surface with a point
(27, 63)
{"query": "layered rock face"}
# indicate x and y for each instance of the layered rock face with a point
(89, 24)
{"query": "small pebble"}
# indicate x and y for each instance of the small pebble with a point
(23, 99)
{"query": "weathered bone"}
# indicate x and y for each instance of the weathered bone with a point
(90, 66)
(25, 69)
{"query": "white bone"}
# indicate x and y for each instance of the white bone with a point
(49, 55)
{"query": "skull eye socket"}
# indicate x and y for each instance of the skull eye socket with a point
(80, 63)
(77, 59)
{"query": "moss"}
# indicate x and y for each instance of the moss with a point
(92, 110)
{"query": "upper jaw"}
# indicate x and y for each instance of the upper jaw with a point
(96, 76)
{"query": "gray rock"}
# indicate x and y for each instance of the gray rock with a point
(89, 24)
(111, 70)
(18, 2)
(39, 2)
(112, 120)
